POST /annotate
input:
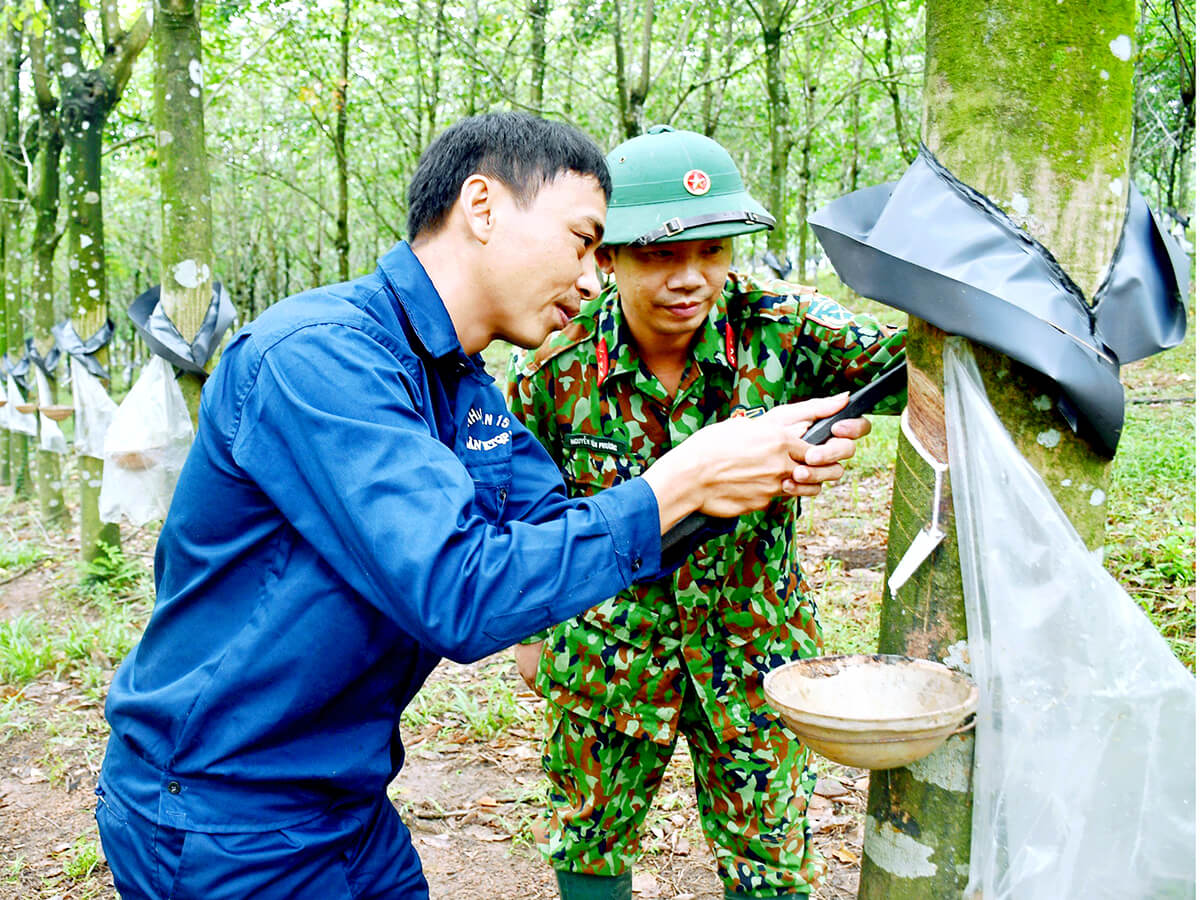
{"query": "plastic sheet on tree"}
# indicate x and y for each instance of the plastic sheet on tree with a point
(14, 419)
(1085, 752)
(93, 410)
(933, 247)
(145, 447)
(164, 339)
(82, 351)
(52, 438)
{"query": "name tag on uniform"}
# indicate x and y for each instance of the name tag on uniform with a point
(596, 443)
(746, 412)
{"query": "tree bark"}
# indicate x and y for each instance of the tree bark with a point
(1044, 130)
(773, 16)
(12, 182)
(538, 10)
(44, 199)
(186, 259)
(88, 95)
(341, 103)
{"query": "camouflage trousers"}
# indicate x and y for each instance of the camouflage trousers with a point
(752, 795)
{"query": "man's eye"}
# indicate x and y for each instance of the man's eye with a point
(587, 239)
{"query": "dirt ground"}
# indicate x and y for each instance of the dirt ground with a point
(470, 802)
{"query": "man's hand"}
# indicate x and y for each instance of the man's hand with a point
(732, 467)
(822, 462)
(527, 662)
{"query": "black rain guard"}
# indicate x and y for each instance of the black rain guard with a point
(47, 363)
(933, 247)
(164, 339)
(74, 346)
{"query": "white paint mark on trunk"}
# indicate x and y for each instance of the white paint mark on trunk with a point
(947, 767)
(85, 240)
(196, 72)
(91, 197)
(1121, 47)
(895, 852)
(1097, 497)
(189, 273)
(1049, 439)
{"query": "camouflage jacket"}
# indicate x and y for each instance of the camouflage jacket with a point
(740, 606)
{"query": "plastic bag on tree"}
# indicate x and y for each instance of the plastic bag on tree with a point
(52, 438)
(145, 447)
(19, 421)
(93, 411)
(1085, 746)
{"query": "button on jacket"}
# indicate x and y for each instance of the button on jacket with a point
(358, 503)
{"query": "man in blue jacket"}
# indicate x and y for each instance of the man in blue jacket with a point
(358, 504)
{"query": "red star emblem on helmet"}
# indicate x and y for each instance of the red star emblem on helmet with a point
(696, 182)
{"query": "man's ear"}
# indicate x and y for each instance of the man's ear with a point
(476, 201)
(604, 258)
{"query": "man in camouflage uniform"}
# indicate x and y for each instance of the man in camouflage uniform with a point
(676, 341)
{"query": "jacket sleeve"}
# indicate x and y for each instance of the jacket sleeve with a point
(331, 432)
(838, 350)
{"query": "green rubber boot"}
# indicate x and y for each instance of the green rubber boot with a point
(573, 886)
(801, 895)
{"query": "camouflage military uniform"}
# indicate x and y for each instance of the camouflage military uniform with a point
(687, 653)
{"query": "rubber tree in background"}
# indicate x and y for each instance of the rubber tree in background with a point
(43, 193)
(88, 95)
(186, 275)
(12, 183)
(1029, 103)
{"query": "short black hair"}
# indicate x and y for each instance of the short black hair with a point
(522, 151)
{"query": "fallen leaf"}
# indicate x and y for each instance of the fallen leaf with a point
(35, 776)
(849, 857)
(830, 787)
(441, 841)
(488, 802)
(646, 884)
(681, 848)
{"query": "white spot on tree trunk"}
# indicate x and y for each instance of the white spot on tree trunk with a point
(195, 92)
(69, 70)
(1049, 439)
(1020, 204)
(948, 767)
(1104, 75)
(165, 138)
(1121, 47)
(1097, 497)
(189, 273)
(1042, 402)
(91, 197)
(958, 657)
(85, 240)
(1116, 187)
(196, 72)
(895, 852)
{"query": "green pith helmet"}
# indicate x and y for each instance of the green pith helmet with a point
(673, 185)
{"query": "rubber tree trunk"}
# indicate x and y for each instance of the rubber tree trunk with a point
(44, 199)
(341, 126)
(1043, 129)
(11, 186)
(186, 261)
(88, 95)
(772, 16)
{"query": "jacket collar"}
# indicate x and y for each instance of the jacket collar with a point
(618, 355)
(424, 307)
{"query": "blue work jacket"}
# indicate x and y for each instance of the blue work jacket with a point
(358, 503)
